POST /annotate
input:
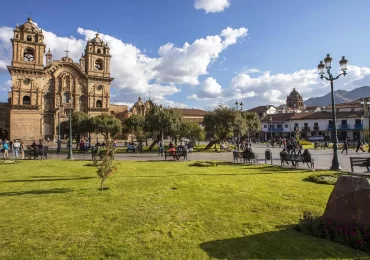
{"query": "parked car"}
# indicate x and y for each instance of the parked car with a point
(316, 138)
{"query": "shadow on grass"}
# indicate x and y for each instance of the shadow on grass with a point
(284, 244)
(34, 192)
(52, 179)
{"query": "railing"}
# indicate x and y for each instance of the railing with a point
(329, 127)
(305, 129)
(344, 127)
(316, 128)
(279, 129)
(358, 126)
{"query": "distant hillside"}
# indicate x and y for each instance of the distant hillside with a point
(341, 96)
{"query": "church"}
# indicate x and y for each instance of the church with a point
(41, 95)
(44, 91)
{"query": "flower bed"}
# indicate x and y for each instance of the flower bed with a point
(349, 234)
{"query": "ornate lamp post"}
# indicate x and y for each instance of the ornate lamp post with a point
(70, 154)
(343, 66)
(58, 148)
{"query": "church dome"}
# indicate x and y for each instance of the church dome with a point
(294, 93)
(138, 103)
(29, 26)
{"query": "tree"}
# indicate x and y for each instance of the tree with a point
(253, 123)
(219, 123)
(108, 126)
(192, 131)
(135, 125)
(161, 120)
(80, 125)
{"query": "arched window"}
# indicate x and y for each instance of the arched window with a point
(82, 103)
(98, 65)
(99, 103)
(48, 101)
(66, 98)
(16, 35)
(26, 100)
(29, 38)
(28, 55)
(99, 51)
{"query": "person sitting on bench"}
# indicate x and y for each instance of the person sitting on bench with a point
(284, 156)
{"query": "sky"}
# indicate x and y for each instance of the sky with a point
(204, 53)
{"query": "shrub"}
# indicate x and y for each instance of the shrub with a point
(204, 164)
(348, 234)
(323, 178)
(303, 142)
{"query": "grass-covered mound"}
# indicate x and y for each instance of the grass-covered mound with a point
(328, 178)
(159, 210)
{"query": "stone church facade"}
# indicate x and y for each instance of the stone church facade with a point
(41, 95)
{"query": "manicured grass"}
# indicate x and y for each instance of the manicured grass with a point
(159, 210)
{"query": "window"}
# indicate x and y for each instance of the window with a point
(296, 124)
(99, 103)
(286, 125)
(316, 124)
(99, 51)
(305, 124)
(264, 126)
(98, 65)
(26, 100)
(29, 38)
(16, 35)
(28, 55)
(65, 98)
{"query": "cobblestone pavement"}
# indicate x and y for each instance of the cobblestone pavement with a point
(323, 158)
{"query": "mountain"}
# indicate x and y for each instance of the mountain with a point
(341, 96)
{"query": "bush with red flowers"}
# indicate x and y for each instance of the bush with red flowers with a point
(348, 234)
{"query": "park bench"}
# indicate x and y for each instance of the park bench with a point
(360, 162)
(295, 160)
(176, 154)
(132, 149)
(249, 157)
(36, 153)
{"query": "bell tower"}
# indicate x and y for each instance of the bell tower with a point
(28, 46)
(97, 58)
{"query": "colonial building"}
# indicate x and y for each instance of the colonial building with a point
(40, 92)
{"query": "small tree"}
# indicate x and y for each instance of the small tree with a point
(108, 126)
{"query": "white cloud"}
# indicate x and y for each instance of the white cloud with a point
(273, 88)
(6, 86)
(134, 71)
(184, 65)
(208, 89)
(212, 6)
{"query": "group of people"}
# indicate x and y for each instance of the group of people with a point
(360, 146)
(188, 147)
(16, 146)
(284, 155)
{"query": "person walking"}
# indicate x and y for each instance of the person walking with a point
(360, 146)
(6, 150)
(345, 146)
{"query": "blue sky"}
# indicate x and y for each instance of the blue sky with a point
(278, 44)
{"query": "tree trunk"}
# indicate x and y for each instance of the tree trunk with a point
(211, 144)
(152, 145)
(101, 183)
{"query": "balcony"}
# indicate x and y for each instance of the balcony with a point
(329, 127)
(278, 129)
(316, 128)
(305, 129)
(358, 127)
(344, 127)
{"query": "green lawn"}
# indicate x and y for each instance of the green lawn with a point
(159, 210)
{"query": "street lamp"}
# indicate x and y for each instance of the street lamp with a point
(58, 148)
(236, 105)
(241, 106)
(70, 155)
(343, 66)
(362, 128)
(271, 128)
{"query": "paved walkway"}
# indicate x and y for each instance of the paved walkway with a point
(323, 158)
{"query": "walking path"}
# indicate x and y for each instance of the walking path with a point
(323, 158)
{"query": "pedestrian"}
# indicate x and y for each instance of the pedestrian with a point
(360, 146)
(345, 146)
(6, 150)
(160, 148)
